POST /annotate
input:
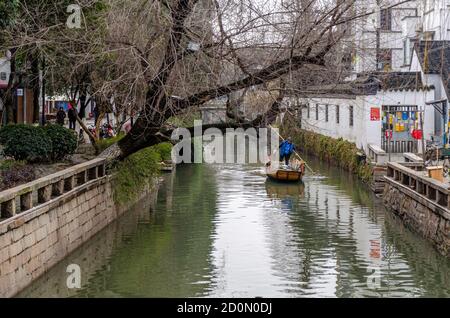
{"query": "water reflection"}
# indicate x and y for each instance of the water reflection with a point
(226, 231)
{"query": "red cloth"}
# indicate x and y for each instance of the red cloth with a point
(417, 134)
(388, 134)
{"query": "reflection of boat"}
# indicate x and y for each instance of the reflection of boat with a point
(276, 190)
(292, 173)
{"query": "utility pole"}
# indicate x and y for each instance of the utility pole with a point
(42, 91)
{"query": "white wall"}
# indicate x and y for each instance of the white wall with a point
(435, 18)
(418, 98)
(364, 131)
(365, 34)
(5, 67)
(356, 133)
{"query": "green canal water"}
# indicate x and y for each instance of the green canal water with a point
(225, 231)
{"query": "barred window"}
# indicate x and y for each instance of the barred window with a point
(386, 19)
(350, 112)
(337, 114)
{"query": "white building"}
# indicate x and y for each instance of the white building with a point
(401, 76)
(378, 38)
(5, 71)
(357, 111)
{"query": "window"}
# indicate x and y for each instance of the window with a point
(308, 111)
(406, 52)
(384, 60)
(326, 113)
(2, 76)
(337, 114)
(386, 19)
(317, 111)
(350, 113)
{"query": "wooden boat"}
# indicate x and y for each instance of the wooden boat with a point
(167, 166)
(292, 173)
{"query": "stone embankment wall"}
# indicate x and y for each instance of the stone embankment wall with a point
(421, 203)
(46, 220)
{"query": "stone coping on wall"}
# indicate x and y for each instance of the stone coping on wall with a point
(429, 192)
(23, 198)
(22, 218)
(405, 169)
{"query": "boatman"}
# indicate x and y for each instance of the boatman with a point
(286, 150)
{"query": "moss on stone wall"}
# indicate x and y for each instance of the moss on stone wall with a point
(340, 152)
(136, 172)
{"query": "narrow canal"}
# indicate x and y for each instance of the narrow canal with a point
(226, 231)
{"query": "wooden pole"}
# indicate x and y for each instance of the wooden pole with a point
(422, 114)
(306, 164)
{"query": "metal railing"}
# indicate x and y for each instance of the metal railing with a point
(33, 194)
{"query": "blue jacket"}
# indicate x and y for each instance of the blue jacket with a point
(286, 148)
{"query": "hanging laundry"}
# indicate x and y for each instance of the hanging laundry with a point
(405, 115)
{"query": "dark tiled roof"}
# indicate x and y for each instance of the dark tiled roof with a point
(370, 84)
(434, 57)
(397, 81)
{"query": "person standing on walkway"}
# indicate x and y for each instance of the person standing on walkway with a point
(60, 116)
(286, 150)
(72, 116)
(96, 114)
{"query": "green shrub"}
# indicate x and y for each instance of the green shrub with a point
(8, 164)
(5, 132)
(64, 141)
(26, 142)
(105, 143)
(165, 150)
(136, 171)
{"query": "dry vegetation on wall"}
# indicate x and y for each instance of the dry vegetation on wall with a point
(339, 152)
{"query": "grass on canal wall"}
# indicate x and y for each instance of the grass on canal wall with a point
(339, 152)
(133, 174)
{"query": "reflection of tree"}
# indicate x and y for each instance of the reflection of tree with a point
(170, 256)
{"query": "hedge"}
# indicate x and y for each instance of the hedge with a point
(26, 142)
(36, 144)
(64, 141)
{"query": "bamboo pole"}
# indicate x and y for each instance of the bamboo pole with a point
(306, 164)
